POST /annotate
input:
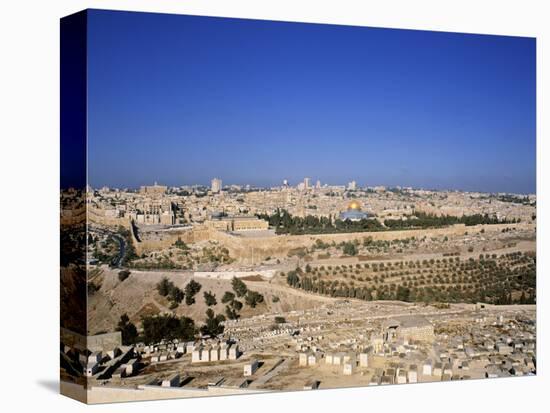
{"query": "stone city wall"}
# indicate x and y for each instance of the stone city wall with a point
(97, 216)
(254, 249)
(154, 241)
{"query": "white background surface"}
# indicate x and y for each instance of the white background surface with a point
(29, 157)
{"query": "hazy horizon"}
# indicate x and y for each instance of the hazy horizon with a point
(294, 184)
(183, 99)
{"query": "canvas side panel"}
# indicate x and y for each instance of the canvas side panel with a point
(73, 357)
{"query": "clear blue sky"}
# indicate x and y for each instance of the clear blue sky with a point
(182, 99)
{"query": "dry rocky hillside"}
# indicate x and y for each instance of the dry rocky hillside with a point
(137, 295)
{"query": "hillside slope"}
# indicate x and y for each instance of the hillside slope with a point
(137, 296)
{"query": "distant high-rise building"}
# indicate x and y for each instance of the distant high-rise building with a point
(216, 185)
(352, 186)
(285, 182)
(306, 183)
(318, 184)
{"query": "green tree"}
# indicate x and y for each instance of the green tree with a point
(167, 327)
(209, 298)
(253, 298)
(228, 296)
(214, 324)
(349, 249)
(176, 295)
(191, 289)
(127, 329)
(292, 278)
(164, 286)
(402, 293)
(231, 313)
(239, 287)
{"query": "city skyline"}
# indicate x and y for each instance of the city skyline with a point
(296, 185)
(259, 101)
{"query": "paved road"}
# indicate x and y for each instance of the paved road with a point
(121, 245)
(121, 250)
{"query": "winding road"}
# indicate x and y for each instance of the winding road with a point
(115, 262)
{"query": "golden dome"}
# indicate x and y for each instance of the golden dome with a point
(354, 205)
